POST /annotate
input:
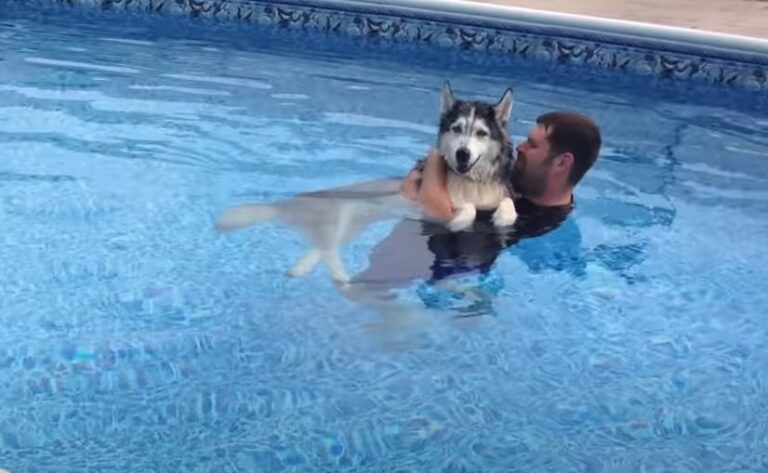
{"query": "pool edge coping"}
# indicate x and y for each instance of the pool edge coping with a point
(632, 47)
(571, 21)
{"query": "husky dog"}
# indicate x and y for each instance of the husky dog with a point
(328, 218)
(474, 141)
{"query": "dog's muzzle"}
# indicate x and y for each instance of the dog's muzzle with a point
(462, 160)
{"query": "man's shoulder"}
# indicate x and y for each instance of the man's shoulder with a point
(534, 219)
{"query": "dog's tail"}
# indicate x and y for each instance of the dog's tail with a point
(245, 216)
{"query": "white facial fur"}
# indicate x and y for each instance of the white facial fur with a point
(472, 133)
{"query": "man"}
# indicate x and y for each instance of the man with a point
(558, 152)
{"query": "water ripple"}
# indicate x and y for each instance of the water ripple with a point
(81, 65)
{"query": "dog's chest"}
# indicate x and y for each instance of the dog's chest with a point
(483, 195)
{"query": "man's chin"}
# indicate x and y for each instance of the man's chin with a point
(523, 184)
(517, 175)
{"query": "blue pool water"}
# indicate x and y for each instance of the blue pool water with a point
(133, 338)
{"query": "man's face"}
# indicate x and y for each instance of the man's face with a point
(531, 173)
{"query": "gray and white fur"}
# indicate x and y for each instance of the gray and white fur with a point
(474, 141)
(328, 219)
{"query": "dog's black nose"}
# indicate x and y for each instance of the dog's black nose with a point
(462, 156)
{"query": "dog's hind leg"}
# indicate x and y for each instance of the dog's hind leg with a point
(336, 268)
(331, 258)
(331, 254)
(306, 263)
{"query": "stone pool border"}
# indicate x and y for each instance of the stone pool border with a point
(637, 48)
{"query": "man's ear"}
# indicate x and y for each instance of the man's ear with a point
(564, 162)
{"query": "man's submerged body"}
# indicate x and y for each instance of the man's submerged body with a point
(422, 250)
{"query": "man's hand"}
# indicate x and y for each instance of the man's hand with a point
(411, 184)
(428, 188)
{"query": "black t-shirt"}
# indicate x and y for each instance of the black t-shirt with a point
(477, 248)
(420, 250)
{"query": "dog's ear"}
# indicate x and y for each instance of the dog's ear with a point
(446, 99)
(503, 109)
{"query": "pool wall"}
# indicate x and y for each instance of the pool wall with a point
(635, 48)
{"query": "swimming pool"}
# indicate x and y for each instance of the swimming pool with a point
(136, 339)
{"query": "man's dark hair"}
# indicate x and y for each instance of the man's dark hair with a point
(570, 132)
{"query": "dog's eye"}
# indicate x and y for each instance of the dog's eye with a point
(482, 133)
(456, 128)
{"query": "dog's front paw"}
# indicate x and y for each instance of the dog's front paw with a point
(506, 214)
(463, 219)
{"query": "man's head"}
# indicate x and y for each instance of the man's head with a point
(558, 152)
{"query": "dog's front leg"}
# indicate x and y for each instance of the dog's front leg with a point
(464, 217)
(506, 214)
(306, 263)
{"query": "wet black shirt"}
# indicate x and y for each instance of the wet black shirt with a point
(477, 248)
(420, 250)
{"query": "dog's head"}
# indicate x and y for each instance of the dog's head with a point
(474, 136)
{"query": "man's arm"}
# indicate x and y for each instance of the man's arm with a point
(431, 193)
